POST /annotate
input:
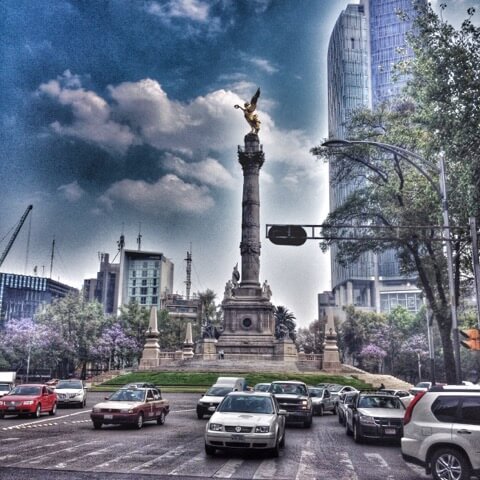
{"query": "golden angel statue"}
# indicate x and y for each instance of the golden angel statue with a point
(250, 117)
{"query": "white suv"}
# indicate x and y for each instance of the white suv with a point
(441, 432)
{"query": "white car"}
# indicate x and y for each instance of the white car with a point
(246, 420)
(71, 392)
(212, 398)
(403, 395)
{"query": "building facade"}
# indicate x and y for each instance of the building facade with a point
(22, 295)
(368, 40)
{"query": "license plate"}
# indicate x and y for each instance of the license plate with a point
(236, 436)
(390, 431)
(108, 417)
(11, 408)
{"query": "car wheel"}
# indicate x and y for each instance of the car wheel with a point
(97, 425)
(348, 430)
(2, 415)
(209, 450)
(357, 437)
(334, 411)
(450, 464)
(308, 423)
(53, 411)
(282, 441)
(320, 411)
(276, 449)
(340, 419)
(161, 418)
(139, 423)
(38, 410)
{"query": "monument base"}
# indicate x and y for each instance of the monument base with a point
(206, 349)
(150, 355)
(286, 350)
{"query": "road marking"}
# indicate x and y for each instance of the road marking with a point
(123, 457)
(41, 422)
(86, 455)
(379, 461)
(306, 468)
(418, 470)
(228, 469)
(6, 457)
(346, 461)
(190, 465)
(176, 452)
(267, 469)
(182, 411)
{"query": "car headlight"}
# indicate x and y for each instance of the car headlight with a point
(367, 420)
(78, 394)
(127, 410)
(95, 410)
(304, 402)
(28, 402)
(2, 403)
(215, 427)
(262, 429)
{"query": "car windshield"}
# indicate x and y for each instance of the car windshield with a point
(380, 402)
(126, 395)
(69, 384)
(315, 392)
(335, 388)
(26, 390)
(289, 388)
(219, 391)
(4, 387)
(246, 404)
(422, 385)
(261, 387)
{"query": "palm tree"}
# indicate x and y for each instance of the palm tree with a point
(285, 324)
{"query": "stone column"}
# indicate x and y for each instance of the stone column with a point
(251, 159)
(151, 350)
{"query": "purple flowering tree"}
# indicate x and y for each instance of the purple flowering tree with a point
(114, 347)
(373, 356)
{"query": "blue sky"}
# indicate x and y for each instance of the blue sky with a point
(119, 113)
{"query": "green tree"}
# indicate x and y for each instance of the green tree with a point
(311, 338)
(285, 325)
(439, 115)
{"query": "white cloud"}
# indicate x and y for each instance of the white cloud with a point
(168, 195)
(92, 122)
(192, 9)
(263, 64)
(208, 171)
(72, 191)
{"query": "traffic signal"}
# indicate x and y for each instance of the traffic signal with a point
(287, 235)
(473, 338)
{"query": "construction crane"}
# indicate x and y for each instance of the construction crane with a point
(15, 233)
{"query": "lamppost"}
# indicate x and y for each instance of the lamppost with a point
(441, 191)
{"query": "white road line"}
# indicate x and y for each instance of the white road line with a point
(228, 469)
(347, 463)
(266, 470)
(43, 420)
(306, 469)
(122, 457)
(181, 411)
(11, 439)
(86, 455)
(189, 466)
(6, 457)
(176, 452)
(418, 470)
(380, 462)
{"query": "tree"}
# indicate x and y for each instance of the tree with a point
(311, 338)
(439, 114)
(284, 323)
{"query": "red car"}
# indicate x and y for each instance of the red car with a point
(29, 399)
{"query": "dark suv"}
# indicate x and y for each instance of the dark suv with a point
(442, 432)
(293, 397)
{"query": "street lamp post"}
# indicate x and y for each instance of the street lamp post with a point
(441, 191)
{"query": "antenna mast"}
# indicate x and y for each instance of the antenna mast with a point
(189, 271)
(51, 258)
(139, 238)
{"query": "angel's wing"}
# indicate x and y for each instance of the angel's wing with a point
(253, 102)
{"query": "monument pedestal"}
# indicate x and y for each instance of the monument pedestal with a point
(151, 350)
(286, 350)
(206, 349)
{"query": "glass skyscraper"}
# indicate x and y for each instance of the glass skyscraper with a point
(367, 41)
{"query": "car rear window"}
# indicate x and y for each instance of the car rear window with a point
(445, 408)
(219, 391)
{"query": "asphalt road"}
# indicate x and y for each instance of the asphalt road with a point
(67, 447)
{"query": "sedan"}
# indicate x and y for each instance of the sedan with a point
(243, 420)
(321, 401)
(29, 399)
(131, 407)
(71, 392)
(403, 395)
(212, 398)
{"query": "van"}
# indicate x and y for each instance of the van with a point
(7, 382)
(238, 384)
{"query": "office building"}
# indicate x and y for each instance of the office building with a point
(367, 41)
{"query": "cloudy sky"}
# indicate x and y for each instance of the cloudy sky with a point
(118, 115)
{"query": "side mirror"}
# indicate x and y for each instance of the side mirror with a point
(212, 409)
(106, 398)
(283, 412)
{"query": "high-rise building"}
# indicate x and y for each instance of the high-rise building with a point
(22, 295)
(367, 41)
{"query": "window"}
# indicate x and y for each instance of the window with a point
(154, 290)
(144, 283)
(143, 291)
(145, 264)
(470, 411)
(134, 282)
(445, 408)
(133, 291)
(134, 273)
(144, 273)
(154, 281)
(154, 300)
(143, 300)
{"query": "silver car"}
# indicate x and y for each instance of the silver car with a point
(321, 401)
(246, 420)
(71, 392)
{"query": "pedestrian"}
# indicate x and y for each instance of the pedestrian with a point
(382, 386)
